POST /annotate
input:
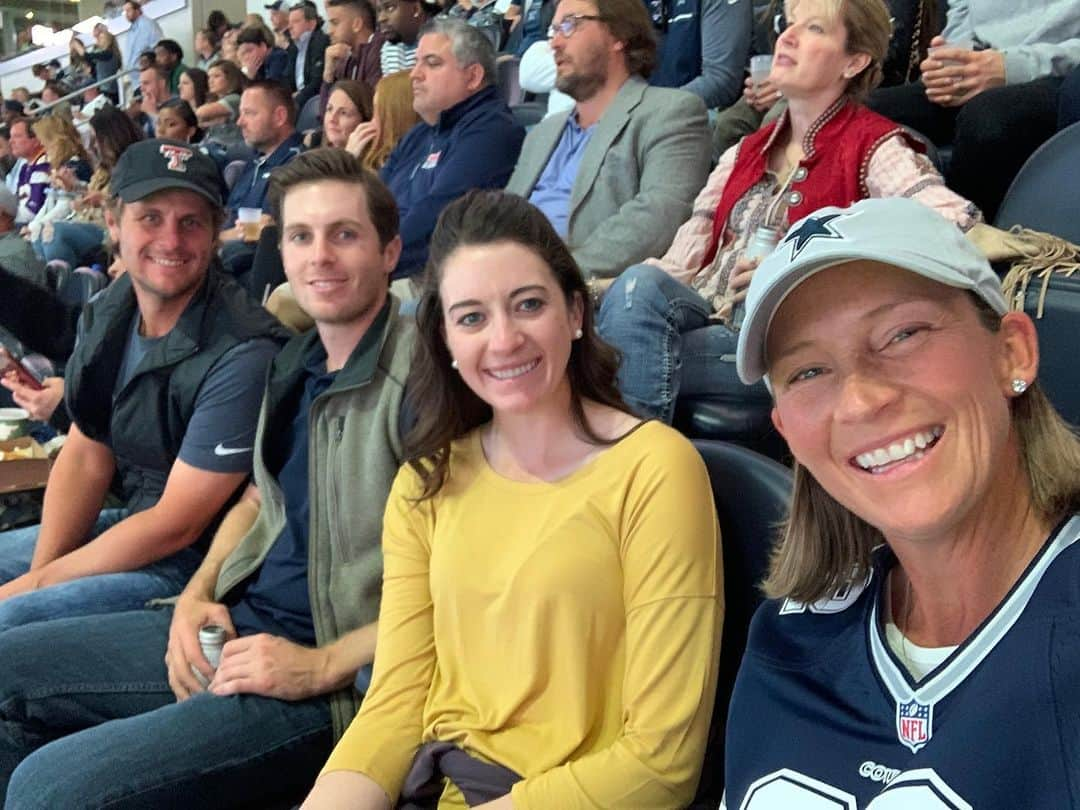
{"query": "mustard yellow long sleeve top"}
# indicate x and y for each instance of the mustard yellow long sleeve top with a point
(569, 630)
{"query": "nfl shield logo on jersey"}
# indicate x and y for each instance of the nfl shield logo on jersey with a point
(914, 724)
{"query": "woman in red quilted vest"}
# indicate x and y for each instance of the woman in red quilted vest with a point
(672, 317)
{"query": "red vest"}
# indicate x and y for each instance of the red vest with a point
(838, 149)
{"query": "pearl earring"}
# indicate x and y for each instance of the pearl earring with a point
(578, 335)
(1019, 386)
(453, 364)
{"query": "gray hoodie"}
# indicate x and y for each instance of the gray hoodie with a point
(1038, 37)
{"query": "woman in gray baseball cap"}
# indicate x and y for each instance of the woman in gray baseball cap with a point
(922, 645)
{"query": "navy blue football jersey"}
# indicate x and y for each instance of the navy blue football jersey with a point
(824, 715)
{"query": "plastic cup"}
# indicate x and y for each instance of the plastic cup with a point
(760, 68)
(248, 219)
(14, 422)
(964, 44)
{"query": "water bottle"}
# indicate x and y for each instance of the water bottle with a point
(761, 244)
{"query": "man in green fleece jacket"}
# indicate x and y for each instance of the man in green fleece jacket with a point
(293, 574)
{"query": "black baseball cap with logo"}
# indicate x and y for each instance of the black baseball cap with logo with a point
(147, 167)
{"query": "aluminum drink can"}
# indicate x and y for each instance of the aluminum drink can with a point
(211, 640)
(762, 243)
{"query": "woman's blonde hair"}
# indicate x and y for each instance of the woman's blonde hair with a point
(823, 546)
(60, 139)
(869, 29)
(395, 114)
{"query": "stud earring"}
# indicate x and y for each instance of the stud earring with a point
(453, 364)
(1019, 386)
(579, 334)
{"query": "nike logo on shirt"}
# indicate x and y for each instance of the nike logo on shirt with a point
(222, 450)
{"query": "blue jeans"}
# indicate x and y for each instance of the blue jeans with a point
(104, 593)
(74, 242)
(87, 720)
(661, 328)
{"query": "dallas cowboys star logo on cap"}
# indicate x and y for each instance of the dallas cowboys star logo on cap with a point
(812, 228)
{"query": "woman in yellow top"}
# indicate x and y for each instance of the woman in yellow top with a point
(552, 599)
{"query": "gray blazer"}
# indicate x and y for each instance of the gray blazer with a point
(639, 175)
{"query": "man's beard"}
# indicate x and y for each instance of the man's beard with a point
(583, 83)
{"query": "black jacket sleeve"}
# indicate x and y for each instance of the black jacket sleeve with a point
(37, 318)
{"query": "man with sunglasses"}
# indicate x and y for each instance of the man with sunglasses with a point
(617, 174)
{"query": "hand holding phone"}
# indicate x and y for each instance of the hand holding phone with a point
(10, 365)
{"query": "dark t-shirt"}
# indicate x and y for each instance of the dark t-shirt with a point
(276, 599)
(215, 439)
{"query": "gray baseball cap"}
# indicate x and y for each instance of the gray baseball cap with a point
(894, 231)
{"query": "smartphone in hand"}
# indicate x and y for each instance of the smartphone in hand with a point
(8, 363)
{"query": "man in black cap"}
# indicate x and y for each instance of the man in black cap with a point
(108, 710)
(163, 390)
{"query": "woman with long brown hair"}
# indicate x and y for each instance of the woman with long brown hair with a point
(536, 516)
(393, 115)
(80, 238)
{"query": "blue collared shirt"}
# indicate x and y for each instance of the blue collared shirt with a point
(301, 56)
(551, 194)
(143, 35)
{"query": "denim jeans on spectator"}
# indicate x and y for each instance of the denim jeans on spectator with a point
(104, 593)
(74, 242)
(87, 720)
(661, 328)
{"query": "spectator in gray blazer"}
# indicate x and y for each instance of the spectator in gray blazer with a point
(617, 174)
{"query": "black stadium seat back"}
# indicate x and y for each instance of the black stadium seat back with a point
(507, 70)
(1045, 194)
(267, 270)
(529, 113)
(741, 420)
(308, 117)
(80, 286)
(1059, 373)
(751, 494)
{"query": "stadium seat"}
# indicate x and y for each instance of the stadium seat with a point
(1045, 194)
(308, 119)
(81, 286)
(529, 113)
(751, 494)
(744, 422)
(1059, 374)
(506, 79)
(267, 271)
(231, 173)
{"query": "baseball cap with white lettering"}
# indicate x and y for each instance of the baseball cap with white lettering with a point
(896, 231)
(147, 167)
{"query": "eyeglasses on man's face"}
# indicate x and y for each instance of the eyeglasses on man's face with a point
(569, 24)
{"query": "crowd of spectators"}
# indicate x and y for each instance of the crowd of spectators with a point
(516, 234)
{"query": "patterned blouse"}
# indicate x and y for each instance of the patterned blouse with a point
(895, 170)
